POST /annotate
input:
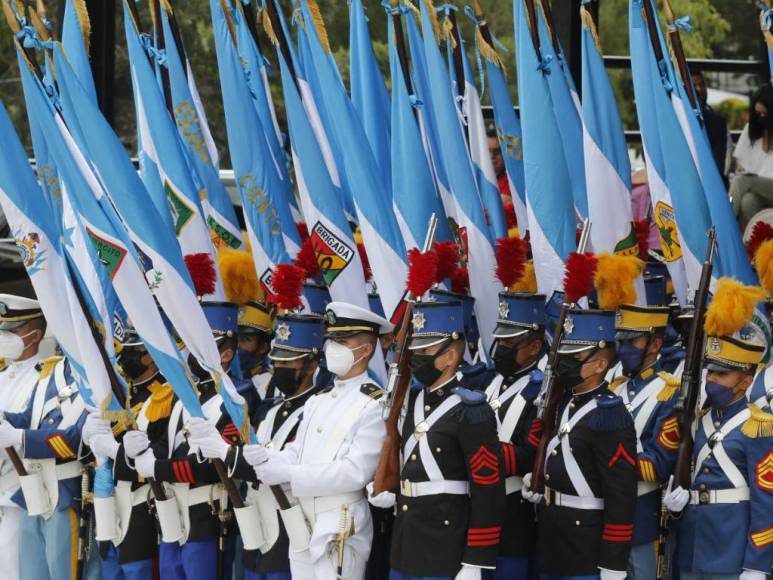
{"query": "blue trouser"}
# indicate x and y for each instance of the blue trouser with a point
(707, 576)
(395, 575)
(250, 575)
(48, 549)
(643, 562)
(557, 577)
(112, 570)
(509, 569)
(194, 560)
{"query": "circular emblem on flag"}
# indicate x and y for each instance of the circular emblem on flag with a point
(418, 321)
(283, 331)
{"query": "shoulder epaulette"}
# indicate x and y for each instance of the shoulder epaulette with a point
(3, 365)
(670, 388)
(760, 424)
(161, 400)
(476, 377)
(532, 388)
(47, 366)
(615, 384)
(610, 414)
(474, 407)
(372, 391)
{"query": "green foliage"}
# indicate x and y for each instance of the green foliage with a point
(736, 111)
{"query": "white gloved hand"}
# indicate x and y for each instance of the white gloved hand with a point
(94, 425)
(210, 443)
(199, 427)
(605, 574)
(752, 575)
(10, 436)
(274, 472)
(104, 445)
(468, 572)
(528, 495)
(145, 464)
(255, 454)
(135, 442)
(675, 500)
(385, 499)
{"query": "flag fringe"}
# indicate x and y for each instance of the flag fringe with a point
(448, 32)
(489, 53)
(10, 17)
(319, 24)
(587, 21)
(268, 27)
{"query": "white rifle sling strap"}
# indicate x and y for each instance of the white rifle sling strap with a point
(174, 435)
(493, 389)
(562, 438)
(514, 411)
(725, 463)
(422, 426)
(644, 402)
(281, 435)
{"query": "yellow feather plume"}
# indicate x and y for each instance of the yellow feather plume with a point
(614, 279)
(239, 276)
(763, 262)
(731, 308)
(528, 282)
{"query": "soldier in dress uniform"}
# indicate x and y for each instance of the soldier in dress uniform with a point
(125, 515)
(256, 327)
(47, 434)
(335, 453)
(451, 501)
(295, 353)
(726, 528)
(519, 359)
(22, 327)
(650, 394)
(207, 522)
(586, 520)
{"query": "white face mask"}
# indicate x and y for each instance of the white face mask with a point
(340, 358)
(12, 345)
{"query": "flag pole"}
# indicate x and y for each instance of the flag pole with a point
(402, 53)
(457, 52)
(279, 32)
(681, 60)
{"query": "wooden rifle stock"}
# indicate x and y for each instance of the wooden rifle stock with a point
(388, 471)
(691, 377)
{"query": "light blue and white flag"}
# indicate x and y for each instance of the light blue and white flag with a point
(76, 32)
(552, 221)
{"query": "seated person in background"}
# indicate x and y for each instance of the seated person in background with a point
(751, 189)
(716, 124)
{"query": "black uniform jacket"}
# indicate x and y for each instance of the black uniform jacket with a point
(434, 534)
(578, 541)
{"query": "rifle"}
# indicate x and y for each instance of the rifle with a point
(84, 526)
(548, 407)
(388, 471)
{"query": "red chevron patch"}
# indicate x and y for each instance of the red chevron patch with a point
(620, 453)
(484, 467)
(535, 432)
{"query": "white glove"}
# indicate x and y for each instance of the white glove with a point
(199, 427)
(467, 572)
(210, 443)
(94, 425)
(605, 574)
(385, 499)
(135, 442)
(255, 454)
(528, 495)
(104, 445)
(145, 464)
(10, 436)
(274, 472)
(752, 575)
(676, 499)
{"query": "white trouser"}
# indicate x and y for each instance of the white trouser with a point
(326, 568)
(10, 518)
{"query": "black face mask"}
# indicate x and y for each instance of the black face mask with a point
(130, 360)
(197, 370)
(569, 371)
(423, 367)
(287, 380)
(504, 360)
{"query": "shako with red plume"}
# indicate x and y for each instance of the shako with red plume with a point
(761, 233)
(460, 282)
(447, 260)
(578, 277)
(422, 271)
(287, 285)
(511, 256)
(202, 270)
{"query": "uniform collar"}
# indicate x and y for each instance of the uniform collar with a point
(646, 376)
(354, 381)
(299, 400)
(206, 390)
(588, 395)
(722, 415)
(441, 391)
(19, 365)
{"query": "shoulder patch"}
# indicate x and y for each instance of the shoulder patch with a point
(670, 388)
(760, 424)
(372, 391)
(610, 415)
(160, 405)
(47, 366)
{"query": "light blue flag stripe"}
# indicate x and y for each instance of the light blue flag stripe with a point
(74, 42)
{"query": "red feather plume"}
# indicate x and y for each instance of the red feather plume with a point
(761, 233)
(510, 217)
(202, 270)
(287, 285)
(306, 259)
(511, 260)
(366, 271)
(578, 279)
(303, 231)
(447, 259)
(422, 271)
(460, 281)
(643, 238)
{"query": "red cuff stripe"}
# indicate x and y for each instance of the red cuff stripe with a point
(618, 527)
(176, 471)
(482, 537)
(616, 538)
(189, 473)
(472, 531)
(485, 479)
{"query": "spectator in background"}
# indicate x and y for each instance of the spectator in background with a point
(498, 161)
(716, 124)
(751, 189)
(641, 206)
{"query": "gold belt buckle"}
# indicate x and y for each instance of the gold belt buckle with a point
(406, 489)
